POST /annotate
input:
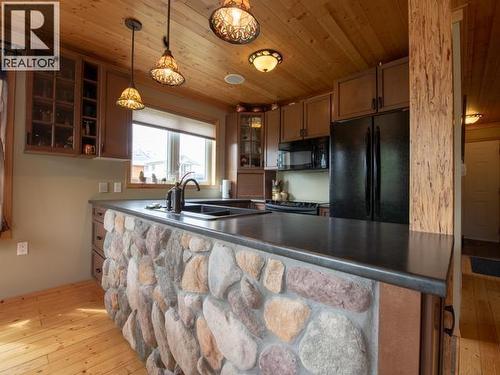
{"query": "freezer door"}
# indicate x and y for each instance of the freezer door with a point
(351, 169)
(391, 166)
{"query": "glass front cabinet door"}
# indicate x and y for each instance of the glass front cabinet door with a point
(51, 98)
(251, 127)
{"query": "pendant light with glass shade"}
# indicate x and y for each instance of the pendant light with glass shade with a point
(130, 97)
(166, 71)
(233, 22)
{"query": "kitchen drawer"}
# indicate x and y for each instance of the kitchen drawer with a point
(98, 234)
(98, 214)
(97, 262)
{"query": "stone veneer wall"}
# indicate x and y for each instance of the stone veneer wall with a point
(195, 305)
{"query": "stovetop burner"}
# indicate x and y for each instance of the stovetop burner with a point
(294, 204)
(293, 207)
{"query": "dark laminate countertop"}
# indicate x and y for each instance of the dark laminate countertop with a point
(380, 251)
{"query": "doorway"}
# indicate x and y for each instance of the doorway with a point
(481, 191)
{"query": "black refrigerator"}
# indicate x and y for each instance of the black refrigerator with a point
(369, 168)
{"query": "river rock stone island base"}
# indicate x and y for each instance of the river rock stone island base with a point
(195, 305)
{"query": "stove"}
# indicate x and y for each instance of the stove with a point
(306, 208)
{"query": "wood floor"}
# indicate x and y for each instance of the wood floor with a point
(479, 323)
(63, 331)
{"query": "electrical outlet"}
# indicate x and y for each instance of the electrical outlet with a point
(103, 187)
(117, 187)
(22, 248)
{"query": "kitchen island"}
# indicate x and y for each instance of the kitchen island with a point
(280, 293)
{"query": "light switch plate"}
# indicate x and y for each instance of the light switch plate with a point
(117, 187)
(22, 248)
(103, 187)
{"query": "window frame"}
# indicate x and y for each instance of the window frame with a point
(9, 154)
(213, 162)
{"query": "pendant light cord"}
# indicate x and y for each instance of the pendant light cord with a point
(133, 51)
(166, 39)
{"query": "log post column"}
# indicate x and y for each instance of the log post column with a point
(431, 116)
(431, 135)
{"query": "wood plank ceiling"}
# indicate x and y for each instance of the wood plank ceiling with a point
(481, 57)
(320, 40)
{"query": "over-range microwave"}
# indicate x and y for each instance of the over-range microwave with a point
(307, 154)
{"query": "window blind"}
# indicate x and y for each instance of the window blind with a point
(149, 116)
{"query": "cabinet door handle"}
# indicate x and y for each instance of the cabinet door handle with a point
(374, 104)
(380, 102)
(449, 331)
(99, 238)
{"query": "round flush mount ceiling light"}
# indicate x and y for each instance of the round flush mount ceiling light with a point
(234, 79)
(233, 22)
(472, 118)
(265, 60)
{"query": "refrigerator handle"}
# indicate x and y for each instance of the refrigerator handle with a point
(368, 161)
(376, 172)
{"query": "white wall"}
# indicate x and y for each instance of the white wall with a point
(50, 208)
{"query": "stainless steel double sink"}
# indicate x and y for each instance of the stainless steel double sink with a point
(210, 212)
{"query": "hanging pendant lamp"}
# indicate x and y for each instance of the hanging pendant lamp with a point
(233, 22)
(130, 97)
(166, 71)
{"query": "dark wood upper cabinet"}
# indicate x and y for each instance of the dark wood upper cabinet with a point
(116, 130)
(355, 95)
(393, 85)
(73, 111)
(317, 116)
(384, 88)
(272, 139)
(292, 120)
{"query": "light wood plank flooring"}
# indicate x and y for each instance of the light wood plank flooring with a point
(63, 331)
(479, 323)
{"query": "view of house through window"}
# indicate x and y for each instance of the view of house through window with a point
(167, 146)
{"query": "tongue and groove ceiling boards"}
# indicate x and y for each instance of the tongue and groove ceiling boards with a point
(481, 57)
(320, 40)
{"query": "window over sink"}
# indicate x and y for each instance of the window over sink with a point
(166, 146)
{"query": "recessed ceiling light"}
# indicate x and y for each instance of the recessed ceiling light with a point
(234, 79)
